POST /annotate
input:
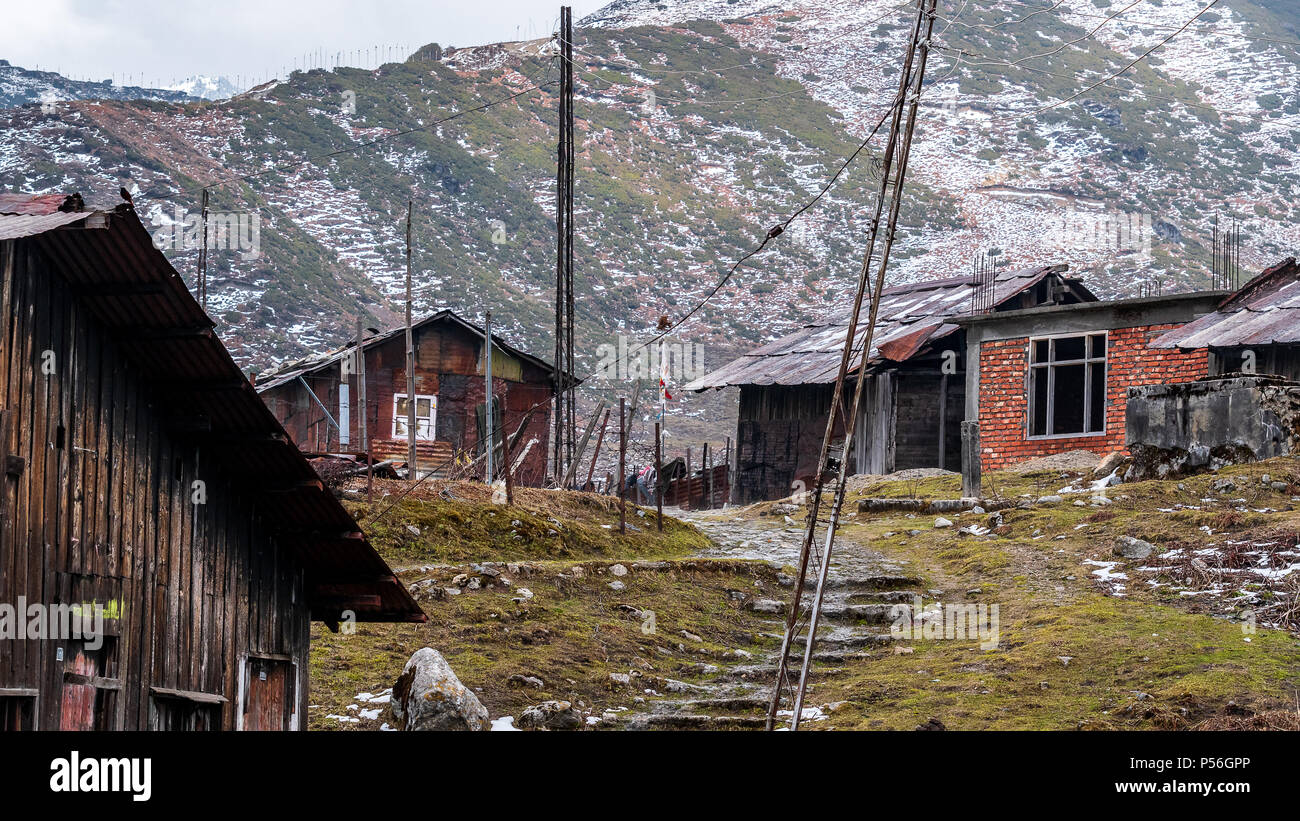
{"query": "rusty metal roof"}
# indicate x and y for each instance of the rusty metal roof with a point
(290, 371)
(127, 284)
(1264, 311)
(910, 317)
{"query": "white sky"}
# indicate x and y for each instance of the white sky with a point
(143, 42)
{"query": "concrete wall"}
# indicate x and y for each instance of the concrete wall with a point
(1184, 428)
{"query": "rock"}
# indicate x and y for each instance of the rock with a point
(1052, 499)
(978, 510)
(578, 572)
(942, 522)
(520, 680)
(1108, 464)
(1223, 486)
(1279, 487)
(766, 606)
(413, 530)
(689, 635)
(785, 579)
(649, 565)
(550, 715)
(428, 696)
(617, 586)
(1131, 548)
(788, 520)
(620, 679)
(932, 724)
(618, 570)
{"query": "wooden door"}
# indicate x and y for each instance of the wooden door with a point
(79, 694)
(268, 695)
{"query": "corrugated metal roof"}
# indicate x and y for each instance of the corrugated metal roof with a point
(38, 205)
(130, 287)
(1264, 311)
(906, 322)
(290, 371)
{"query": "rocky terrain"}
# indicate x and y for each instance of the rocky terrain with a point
(1100, 605)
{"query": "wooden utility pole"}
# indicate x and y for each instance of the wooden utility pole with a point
(622, 462)
(489, 421)
(412, 471)
(829, 483)
(659, 482)
(596, 453)
(363, 422)
(565, 409)
(202, 285)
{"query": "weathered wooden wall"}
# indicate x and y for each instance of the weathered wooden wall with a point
(100, 510)
(449, 365)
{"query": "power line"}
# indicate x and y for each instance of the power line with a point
(1132, 63)
(1128, 21)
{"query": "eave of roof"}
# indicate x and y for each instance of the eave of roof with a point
(127, 284)
(1264, 311)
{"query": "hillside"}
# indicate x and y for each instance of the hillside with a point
(20, 86)
(700, 124)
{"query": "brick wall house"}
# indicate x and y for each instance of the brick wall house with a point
(1055, 379)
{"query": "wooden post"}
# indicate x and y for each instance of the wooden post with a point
(690, 499)
(659, 485)
(412, 471)
(970, 459)
(622, 460)
(364, 423)
(489, 421)
(596, 454)
(506, 467)
(730, 478)
(707, 484)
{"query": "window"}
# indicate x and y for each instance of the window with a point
(175, 711)
(1067, 385)
(17, 710)
(426, 416)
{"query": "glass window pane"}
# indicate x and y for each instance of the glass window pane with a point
(1097, 345)
(422, 407)
(1038, 402)
(1068, 398)
(1097, 401)
(1070, 347)
(1040, 350)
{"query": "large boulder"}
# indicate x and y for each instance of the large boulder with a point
(428, 696)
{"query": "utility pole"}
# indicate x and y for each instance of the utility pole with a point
(814, 560)
(412, 471)
(488, 424)
(363, 422)
(622, 462)
(565, 408)
(202, 285)
(659, 482)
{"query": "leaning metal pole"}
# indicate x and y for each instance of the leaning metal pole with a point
(893, 173)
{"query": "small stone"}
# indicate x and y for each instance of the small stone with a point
(767, 606)
(686, 634)
(942, 522)
(1050, 499)
(413, 530)
(1131, 548)
(550, 715)
(578, 572)
(520, 680)
(617, 586)
(618, 570)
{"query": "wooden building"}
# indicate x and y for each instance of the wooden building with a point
(914, 398)
(144, 480)
(318, 399)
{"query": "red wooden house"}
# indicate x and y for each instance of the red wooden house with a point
(318, 399)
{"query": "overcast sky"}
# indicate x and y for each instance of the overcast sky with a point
(148, 41)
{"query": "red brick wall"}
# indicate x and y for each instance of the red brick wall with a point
(1004, 398)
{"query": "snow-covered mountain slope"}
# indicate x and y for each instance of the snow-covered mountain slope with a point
(701, 123)
(20, 86)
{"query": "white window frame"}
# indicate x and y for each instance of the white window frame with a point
(1050, 367)
(400, 419)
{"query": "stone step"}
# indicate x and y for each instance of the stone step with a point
(869, 613)
(874, 581)
(686, 721)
